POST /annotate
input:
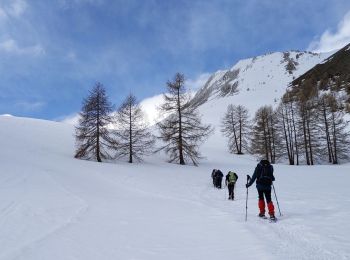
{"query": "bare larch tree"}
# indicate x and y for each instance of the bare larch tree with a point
(235, 126)
(334, 129)
(264, 136)
(181, 130)
(93, 140)
(133, 136)
(288, 130)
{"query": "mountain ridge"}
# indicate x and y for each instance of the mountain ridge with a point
(275, 70)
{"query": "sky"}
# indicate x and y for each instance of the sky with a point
(53, 52)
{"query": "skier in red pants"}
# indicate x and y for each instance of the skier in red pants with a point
(263, 175)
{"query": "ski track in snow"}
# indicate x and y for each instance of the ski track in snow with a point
(74, 218)
(13, 207)
(287, 241)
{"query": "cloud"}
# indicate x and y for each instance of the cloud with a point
(17, 8)
(71, 56)
(3, 14)
(330, 41)
(66, 4)
(30, 106)
(11, 46)
(197, 83)
(149, 107)
(14, 8)
(70, 119)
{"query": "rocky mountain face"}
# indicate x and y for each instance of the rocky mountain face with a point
(270, 73)
(333, 74)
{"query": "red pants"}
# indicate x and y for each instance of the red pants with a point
(270, 207)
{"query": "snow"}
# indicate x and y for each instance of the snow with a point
(53, 206)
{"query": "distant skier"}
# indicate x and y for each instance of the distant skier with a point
(218, 179)
(213, 175)
(263, 175)
(230, 182)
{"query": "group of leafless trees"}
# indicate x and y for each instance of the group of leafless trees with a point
(104, 134)
(313, 129)
(308, 127)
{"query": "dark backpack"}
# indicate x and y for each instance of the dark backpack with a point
(219, 174)
(266, 175)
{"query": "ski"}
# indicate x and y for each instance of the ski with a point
(273, 220)
(270, 220)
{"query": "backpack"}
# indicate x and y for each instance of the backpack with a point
(265, 177)
(232, 177)
(219, 174)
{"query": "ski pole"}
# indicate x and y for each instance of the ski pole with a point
(278, 205)
(246, 200)
(233, 191)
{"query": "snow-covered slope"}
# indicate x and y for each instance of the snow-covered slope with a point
(253, 82)
(53, 206)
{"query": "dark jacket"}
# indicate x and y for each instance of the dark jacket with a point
(257, 173)
(219, 174)
(213, 173)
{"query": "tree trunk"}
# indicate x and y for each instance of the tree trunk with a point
(327, 131)
(335, 161)
(265, 140)
(234, 133)
(305, 139)
(286, 138)
(295, 135)
(273, 155)
(290, 138)
(181, 157)
(269, 134)
(130, 135)
(240, 135)
(98, 157)
(309, 138)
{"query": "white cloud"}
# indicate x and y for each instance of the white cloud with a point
(330, 41)
(11, 46)
(17, 8)
(71, 119)
(71, 56)
(149, 107)
(197, 83)
(30, 106)
(71, 3)
(3, 14)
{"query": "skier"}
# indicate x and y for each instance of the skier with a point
(230, 182)
(213, 175)
(263, 175)
(218, 179)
